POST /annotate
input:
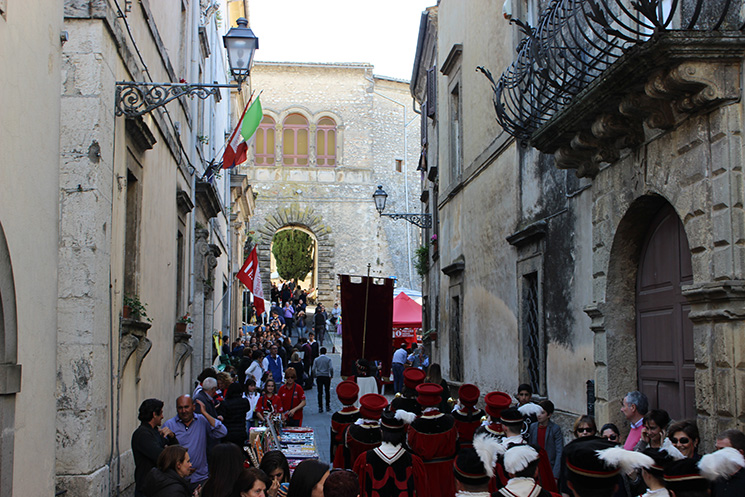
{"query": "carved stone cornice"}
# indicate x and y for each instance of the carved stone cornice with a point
(717, 301)
(134, 341)
(657, 87)
(182, 350)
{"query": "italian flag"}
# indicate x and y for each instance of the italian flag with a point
(244, 132)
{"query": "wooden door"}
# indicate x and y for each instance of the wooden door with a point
(663, 331)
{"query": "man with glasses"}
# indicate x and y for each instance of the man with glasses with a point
(634, 406)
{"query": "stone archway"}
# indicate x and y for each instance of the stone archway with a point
(614, 317)
(304, 217)
(10, 371)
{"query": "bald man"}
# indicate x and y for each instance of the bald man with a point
(193, 431)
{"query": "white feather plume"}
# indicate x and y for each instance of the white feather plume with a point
(627, 460)
(405, 416)
(721, 464)
(529, 409)
(672, 451)
(518, 457)
(487, 448)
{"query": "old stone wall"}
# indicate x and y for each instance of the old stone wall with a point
(697, 168)
(335, 203)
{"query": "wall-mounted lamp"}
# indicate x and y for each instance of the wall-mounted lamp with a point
(134, 98)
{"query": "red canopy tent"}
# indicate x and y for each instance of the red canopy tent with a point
(407, 319)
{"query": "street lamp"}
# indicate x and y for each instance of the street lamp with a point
(241, 43)
(423, 220)
(135, 98)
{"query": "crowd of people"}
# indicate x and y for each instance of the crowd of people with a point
(415, 447)
(422, 443)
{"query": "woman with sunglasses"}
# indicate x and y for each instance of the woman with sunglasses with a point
(611, 433)
(684, 436)
(293, 399)
(585, 426)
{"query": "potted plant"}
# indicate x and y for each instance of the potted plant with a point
(420, 260)
(433, 241)
(183, 322)
(133, 308)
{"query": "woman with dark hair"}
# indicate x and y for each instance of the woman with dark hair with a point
(684, 436)
(251, 482)
(269, 401)
(233, 410)
(610, 432)
(225, 464)
(168, 478)
(434, 375)
(653, 429)
(308, 479)
(274, 464)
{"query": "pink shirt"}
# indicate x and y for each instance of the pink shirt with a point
(634, 435)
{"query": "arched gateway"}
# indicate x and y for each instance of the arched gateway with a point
(307, 219)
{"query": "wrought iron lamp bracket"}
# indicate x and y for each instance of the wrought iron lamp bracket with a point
(423, 220)
(136, 98)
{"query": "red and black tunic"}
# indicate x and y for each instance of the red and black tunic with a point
(407, 404)
(398, 475)
(495, 430)
(359, 438)
(433, 437)
(340, 420)
(467, 421)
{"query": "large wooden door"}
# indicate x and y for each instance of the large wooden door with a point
(663, 331)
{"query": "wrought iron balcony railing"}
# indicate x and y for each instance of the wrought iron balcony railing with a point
(577, 40)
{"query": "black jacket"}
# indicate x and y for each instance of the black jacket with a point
(168, 484)
(147, 444)
(233, 410)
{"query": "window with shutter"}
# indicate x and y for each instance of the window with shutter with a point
(431, 93)
(423, 123)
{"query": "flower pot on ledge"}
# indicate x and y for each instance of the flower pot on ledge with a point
(181, 327)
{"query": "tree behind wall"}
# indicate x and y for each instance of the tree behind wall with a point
(293, 251)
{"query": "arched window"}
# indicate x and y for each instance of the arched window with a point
(326, 142)
(265, 142)
(295, 141)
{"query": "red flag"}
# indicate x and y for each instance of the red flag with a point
(236, 148)
(249, 275)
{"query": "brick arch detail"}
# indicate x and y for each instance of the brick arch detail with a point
(304, 217)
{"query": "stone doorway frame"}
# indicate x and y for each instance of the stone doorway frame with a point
(302, 217)
(614, 318)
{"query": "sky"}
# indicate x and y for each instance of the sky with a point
(380, 32)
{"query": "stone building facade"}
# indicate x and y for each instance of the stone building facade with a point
(325, 185)
(614, 250)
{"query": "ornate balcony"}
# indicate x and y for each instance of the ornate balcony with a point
(630, 59)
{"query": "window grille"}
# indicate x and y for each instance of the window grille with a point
(532, 330)
(264, 142)
(326, 142)
(295, 141)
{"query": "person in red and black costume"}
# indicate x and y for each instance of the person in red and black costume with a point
(513, 423)
(389, 470)
(406, 400)
(467, 417)
(347, 392)
(474, 467)
(433, 437)
(496, 402)
(365, 433)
